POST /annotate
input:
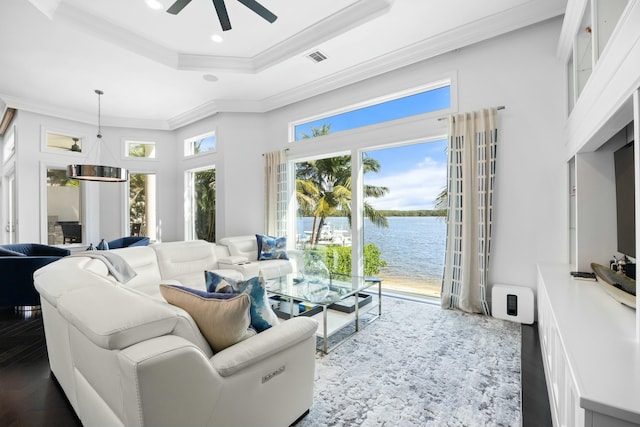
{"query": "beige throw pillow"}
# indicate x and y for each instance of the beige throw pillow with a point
(223, 319)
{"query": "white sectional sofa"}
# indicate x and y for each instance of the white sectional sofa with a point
(126, 357)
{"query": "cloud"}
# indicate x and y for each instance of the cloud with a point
(415, 188)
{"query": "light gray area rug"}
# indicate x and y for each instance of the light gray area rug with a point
(419, 365)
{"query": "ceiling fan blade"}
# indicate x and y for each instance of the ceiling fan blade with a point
(178, 6)
(259, 9)
(223, 16)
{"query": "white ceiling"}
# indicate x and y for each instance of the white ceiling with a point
(153, 66)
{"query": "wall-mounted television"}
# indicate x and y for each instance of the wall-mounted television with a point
(625, 200)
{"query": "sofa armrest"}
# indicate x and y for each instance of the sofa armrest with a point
(168, 381)
(272, 341)
(238, 259)
(114, 318)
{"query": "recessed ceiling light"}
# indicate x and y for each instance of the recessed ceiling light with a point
(210, 78)
(217, 38)
(154, 4)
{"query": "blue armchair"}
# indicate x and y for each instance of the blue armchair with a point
(125, 242)
(17, 264)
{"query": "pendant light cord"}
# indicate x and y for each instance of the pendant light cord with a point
(100, 93)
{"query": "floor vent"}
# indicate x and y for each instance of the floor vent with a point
(317, 56)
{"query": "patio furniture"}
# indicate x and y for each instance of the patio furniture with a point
(71, 231)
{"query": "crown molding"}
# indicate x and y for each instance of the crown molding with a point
(116, 35)
(214, 107)
(480, 30)
(330, 27)
(325, 29)
(483, 29)
(39, 107)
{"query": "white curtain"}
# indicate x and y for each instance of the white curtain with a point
(276, 193)
(471, 176)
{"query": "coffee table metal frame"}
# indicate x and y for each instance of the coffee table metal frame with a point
(286, 287)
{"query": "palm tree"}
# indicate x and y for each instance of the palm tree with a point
(205, 209)
(323, 187)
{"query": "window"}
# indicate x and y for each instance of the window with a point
(323, 195)
(142, 205)
(200, 144)
(376, 112)
(9, 146)
(140, 149)
(201, 208)
(63, 143)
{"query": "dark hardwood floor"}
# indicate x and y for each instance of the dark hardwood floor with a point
(31, 397)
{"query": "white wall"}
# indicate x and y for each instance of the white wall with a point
(114, 197)
(519, 70)
(239, 170)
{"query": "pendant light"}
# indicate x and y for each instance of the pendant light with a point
(94, 172)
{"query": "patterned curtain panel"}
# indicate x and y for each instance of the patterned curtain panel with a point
(471, 175)
(276, 193)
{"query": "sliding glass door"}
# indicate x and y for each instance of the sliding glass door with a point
(410, 240)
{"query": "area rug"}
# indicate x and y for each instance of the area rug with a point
(419, 365)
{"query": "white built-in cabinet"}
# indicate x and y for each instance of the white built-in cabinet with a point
(596, 25)
(591, 343)
(590, 353)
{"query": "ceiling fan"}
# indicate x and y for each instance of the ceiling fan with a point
(221, 10)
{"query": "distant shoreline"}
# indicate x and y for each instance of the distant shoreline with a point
(400, 213)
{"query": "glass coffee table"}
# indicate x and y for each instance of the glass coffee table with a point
(340, 301)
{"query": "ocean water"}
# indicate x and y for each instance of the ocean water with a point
(412, 246)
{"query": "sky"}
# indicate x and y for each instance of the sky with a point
(415, 174)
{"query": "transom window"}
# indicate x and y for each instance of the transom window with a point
(60, 142)
(376, 111)
(140, 149)
(200, 144)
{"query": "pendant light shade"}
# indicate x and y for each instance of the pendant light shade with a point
(94, 172)
(97, 173)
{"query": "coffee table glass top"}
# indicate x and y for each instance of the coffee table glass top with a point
(319, 291)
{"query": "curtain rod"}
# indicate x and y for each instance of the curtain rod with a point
(286, 149)
(499, 107)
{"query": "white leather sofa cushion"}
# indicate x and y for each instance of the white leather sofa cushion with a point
(182, 259)
(143, 260)
(245, 246)
(115, 318)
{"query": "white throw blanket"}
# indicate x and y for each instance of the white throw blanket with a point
(117, 266)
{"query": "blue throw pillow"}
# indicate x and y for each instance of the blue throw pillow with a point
(216, 283)
(271, 247)
(262, 315)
